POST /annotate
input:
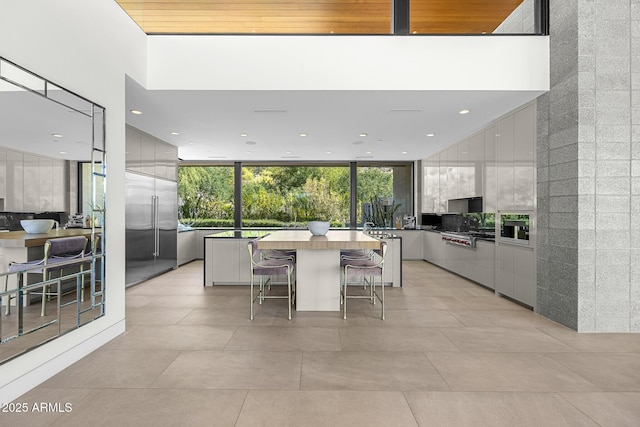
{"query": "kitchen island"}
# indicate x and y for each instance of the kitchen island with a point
(318, 263)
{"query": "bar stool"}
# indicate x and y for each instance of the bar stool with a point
(368, 269)
(56, 251)
(267, 268)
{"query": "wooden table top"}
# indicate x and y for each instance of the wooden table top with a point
(333, 240)
(22, 239)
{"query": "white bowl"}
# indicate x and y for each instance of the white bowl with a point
(37, 226)
(318, 228)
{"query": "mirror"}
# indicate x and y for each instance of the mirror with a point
(52, 166)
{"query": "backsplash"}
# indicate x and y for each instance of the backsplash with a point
(11, 220)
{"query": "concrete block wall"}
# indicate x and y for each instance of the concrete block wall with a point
(589, 168)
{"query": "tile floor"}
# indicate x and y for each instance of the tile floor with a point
(450, 353)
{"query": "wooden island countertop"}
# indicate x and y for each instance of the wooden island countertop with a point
(333, 240)
(22, 239)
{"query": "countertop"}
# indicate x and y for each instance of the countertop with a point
(238, 234)
(22, 239)
(333, 240)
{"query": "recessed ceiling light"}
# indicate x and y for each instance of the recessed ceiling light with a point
(63, 152)
(136, 112)
(303, 134)
(465, 111)
(244, 134)
(248, 152)
(363, 134)
(174, 133)
(288, 152)
(367, 152)
(431, 134)
(328, 152)
(56, 135)
(404, 152)
(191, 142)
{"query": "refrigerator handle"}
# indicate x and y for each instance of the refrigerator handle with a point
(157, 226)
(154, 225)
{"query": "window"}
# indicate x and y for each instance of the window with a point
(206, 196)
(385, 193)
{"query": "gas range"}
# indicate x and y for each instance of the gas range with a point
(463, 239)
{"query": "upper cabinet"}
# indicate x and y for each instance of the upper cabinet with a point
(497, 164)
(151, 156)
(30, 183)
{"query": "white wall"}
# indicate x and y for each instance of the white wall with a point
(349, 62)
(86, 47)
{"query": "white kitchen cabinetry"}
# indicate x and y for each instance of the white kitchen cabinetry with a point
(393, 263)
(433, 248)
(484, 271)
(463, 172)
(476, 164)
(452, 172)
(45, 178)
(411, 243)
(431, 186)
(31, 183)
(187, 250)
(3, 177)
(15, 182)
(443, 195)
(490, 185)
(227, 261)
(59, 188)
(504, 161)
(524, 159)
(166, 156)
(515, 273)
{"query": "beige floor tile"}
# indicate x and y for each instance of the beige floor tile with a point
(112, 407)
(496, 339)
(609, 371)
(192, 337)
(507, 372)
(504, 318)
(491, 302)
(233, 370)
(325, 408)
(155, 315)
(424, 303)
(416, 290)
(190, 301)
(600, 342)
(34, 414)
(469, 409)
(115, 368)
(345, 370)
(608, 409)
(425, 318)
(371, 338)
(228, 290)
(283, 338)
(228, 316)
(320, 318)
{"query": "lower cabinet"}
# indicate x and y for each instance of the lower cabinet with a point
(226, 261)
(516, 273)
(476, 264)
(187, 250)
(393, 263)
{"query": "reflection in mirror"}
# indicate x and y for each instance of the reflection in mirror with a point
(52, 167)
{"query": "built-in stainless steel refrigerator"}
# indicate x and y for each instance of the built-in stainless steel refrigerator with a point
(151, 217)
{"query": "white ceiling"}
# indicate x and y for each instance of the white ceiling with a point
(210, 123)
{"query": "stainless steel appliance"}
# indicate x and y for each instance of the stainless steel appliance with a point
(514, 227)
(151, 221)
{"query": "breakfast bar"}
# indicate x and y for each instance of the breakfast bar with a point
(318, 263)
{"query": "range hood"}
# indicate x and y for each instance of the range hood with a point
(466, 205)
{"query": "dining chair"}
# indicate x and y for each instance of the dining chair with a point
(266, 269)
(56, 252)
(368, 269)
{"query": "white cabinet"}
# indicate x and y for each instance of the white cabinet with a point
(187, 250)
(443, 194)
(226, 261)
(452, 172)
(166, 157)
(524, 158)
(463, 173)
(433, 248)
(3, 177)
(484, 268)
(515, 155)
(147, 155)
(411, 243)
(31, 183)
(59, 189)
(15, 182)
(515, 273)
(431, 186)
(476, 164)
(45, 178)
(490, 185)
(393, 263)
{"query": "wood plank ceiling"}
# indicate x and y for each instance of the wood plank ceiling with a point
(314, 16)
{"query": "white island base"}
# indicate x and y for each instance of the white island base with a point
(318, 280)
